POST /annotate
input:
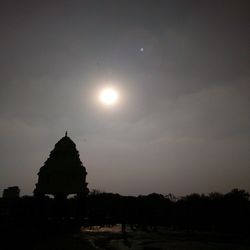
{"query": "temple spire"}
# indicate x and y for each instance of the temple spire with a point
(63, 172)
(66, 133)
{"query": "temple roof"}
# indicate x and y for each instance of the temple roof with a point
(65, 142)
(63, 172)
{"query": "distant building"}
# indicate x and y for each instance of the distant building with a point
(11, 192)
(63, 172)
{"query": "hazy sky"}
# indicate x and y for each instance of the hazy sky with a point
(183, 122)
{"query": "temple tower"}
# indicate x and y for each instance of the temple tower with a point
(63, 172)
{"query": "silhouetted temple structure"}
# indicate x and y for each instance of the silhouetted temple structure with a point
(63, 172)
(11, 192)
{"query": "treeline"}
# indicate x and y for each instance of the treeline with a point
(220, 212)
(212, 212)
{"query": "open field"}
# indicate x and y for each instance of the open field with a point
(162, 239)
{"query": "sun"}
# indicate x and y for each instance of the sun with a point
(108, 96)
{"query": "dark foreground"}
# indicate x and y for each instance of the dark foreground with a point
(213, 221)
(111, 238)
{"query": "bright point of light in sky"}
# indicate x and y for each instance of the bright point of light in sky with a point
(108, 96)
(141, 49)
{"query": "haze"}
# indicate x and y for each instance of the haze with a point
(183, 124)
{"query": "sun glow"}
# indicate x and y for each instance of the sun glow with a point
(108, 96)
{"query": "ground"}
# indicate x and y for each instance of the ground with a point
(111, 238)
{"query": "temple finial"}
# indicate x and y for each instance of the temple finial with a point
(66, 133)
